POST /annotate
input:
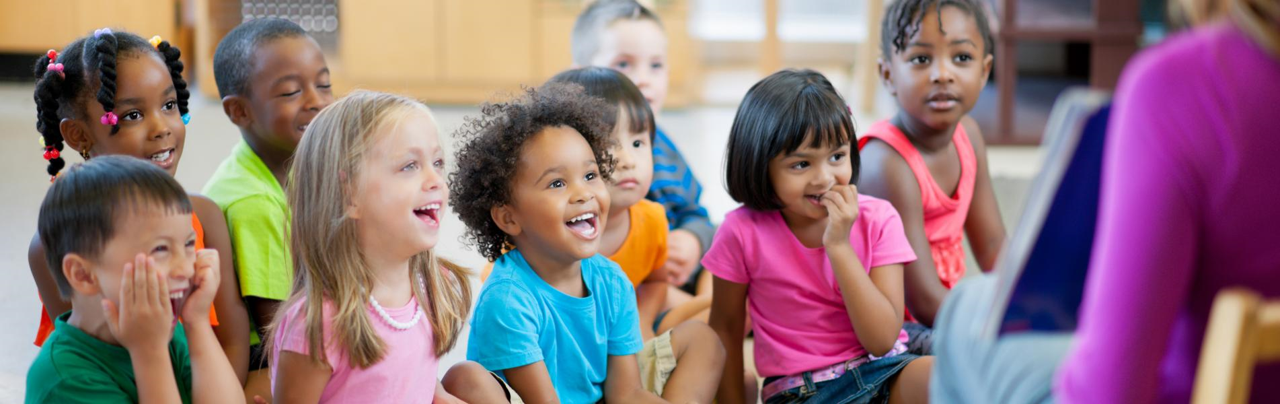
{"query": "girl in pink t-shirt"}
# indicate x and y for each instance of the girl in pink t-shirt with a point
(818, 266)
(372, 306)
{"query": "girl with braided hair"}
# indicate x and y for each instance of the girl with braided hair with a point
(114, 93)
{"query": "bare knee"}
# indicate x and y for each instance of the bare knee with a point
(695, 336)
(467, 376)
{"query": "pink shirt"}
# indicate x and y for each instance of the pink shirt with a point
(406, 373)
(797, 313)
(1188, 207)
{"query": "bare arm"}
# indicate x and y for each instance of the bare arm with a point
(887, 176)
(984, 226)
(211, 374)
(54, 306)
(728, 317)
(263, 311)
(233, 317)
(622, 383)
(299, 379)
(873, 300)
(651, 294)
(533, 383)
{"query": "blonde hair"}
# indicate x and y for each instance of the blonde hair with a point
(1260, 19)
(327, 260)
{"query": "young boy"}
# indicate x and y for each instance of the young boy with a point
(273, 80)
(636, 235)
(120, 245)
(929, 160)
(627, 37)
(555, 320)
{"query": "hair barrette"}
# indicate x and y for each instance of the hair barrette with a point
(155, 41)
(51, 153)
(98, 33)
(57, 67)
(186, 119)
(110, 119)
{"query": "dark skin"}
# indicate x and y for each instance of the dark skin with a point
(936, 81)
(151, 125)
(289, 84)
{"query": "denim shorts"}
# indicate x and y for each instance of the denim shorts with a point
(868, 383)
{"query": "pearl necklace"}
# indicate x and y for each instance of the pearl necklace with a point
(417, 315)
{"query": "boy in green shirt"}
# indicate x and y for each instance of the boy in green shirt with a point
(118, 238)
(273, 80)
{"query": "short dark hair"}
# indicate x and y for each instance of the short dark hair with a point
(776, 116)
(491, 151)
(85, 62)
(616, 90)
(233, 60)
(82, 208)
(584, 42)
(902, 21)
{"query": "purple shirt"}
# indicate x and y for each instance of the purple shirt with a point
(1190, 205)
(797, 312)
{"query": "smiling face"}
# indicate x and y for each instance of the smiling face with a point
(289, 84)
(938, 76)
(400, 189)
(801, 177)
(163, 235)
(637, 49)
(633, 172)
(559, 200)
(147, 106)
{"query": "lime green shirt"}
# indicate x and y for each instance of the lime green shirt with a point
(74, 367)
(258, 222)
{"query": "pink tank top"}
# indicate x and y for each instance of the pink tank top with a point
(944, 215)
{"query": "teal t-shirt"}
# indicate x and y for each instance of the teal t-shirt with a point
(74, 367)
(520, 319)
(257, 221)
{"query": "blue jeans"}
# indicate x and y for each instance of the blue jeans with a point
(868, 383)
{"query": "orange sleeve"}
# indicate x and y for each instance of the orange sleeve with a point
(199, 229)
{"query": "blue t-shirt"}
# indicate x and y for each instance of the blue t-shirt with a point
(520, 319)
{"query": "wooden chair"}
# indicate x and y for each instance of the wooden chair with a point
(1243, 331)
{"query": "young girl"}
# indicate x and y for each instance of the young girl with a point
(822, 265)
(929, 160)
(115, 93)
(372, 307)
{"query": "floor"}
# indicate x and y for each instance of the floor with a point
(700, 131)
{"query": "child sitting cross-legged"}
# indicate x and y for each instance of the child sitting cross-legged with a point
(556, 320)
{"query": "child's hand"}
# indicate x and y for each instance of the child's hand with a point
(204, 286)
(842, 210)
(682, 256)
(144, 320)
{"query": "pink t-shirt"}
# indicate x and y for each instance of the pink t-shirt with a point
(797, 313)
(406, 373)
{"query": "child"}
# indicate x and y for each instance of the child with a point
(122, 249)
(636, 237)
(373, 306)
(627, 37)
(929, 160)
(115, 93)
(273, 81)
(556, 320)
(820, 265)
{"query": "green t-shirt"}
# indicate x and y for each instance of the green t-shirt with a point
(258, 222)
(74, 367)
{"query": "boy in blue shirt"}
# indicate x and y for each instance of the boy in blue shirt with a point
(555, 320)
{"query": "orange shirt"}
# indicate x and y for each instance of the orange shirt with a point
(645, 248)
(46, 324)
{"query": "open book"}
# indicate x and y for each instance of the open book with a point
(1042, 269)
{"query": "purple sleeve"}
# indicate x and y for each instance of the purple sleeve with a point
(1145, 250)
(725, 257)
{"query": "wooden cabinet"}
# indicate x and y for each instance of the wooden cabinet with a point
(36, 26)
(466, 52)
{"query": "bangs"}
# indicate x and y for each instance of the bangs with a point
(815, 119)
(639, 117)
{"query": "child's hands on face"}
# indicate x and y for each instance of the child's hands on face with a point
(204, 286)
(144, 319)
(842, 210)
(683, 249)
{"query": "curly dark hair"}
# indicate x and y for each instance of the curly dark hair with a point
(491, 151)
(902, 21)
